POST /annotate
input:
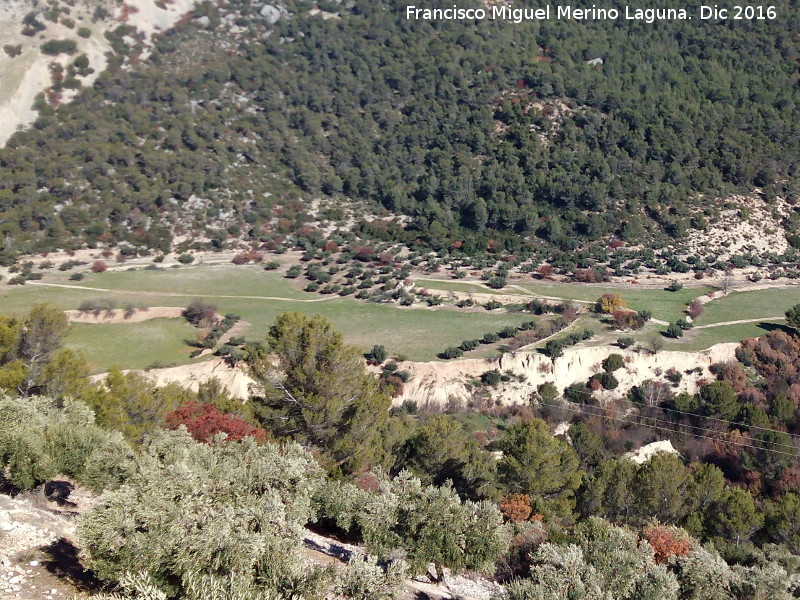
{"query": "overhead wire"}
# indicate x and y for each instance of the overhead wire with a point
(670, 430)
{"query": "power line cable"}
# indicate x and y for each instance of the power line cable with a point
(683, 412)
(695, 435)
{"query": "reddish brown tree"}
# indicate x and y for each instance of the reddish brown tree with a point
(667, 542)
(516, 507)
(695, 308)
(204, 421)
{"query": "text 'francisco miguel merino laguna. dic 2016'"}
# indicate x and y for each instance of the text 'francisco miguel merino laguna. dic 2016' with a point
(546, 13)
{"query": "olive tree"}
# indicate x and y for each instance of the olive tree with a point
(209, 521)
(432, 525)
(40, 439)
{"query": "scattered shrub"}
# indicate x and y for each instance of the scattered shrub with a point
(56, 47)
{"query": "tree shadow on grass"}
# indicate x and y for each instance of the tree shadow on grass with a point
(769, 327)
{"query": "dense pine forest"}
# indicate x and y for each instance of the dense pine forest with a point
(486, 130)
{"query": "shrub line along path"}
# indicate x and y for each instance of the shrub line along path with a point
(176, 294)
(529, 293)
(312, 300)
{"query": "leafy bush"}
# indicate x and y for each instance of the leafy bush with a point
(674, 331)
(468, 345)
(241, 505)
(507, 331)
(56, 47)
(199, 311)
(606, 380)
(496, 281)
(451, 352)
(12, 51)
(378, 354)
(674, 286)
(204, 421)
(613, 362)
(625, 342)
(40, 439)
(491, 377)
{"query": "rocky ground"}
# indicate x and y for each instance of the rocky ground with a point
(38, 558)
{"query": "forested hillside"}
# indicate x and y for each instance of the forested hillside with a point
(489, 128)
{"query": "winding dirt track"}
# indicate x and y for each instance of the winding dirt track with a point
(177, 294)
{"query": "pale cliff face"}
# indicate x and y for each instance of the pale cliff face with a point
(438, 382)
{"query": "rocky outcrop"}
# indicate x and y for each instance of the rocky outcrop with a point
(441, 382)
(645, 453)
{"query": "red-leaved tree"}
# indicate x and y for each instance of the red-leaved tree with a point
(204, 421)
(667, 541)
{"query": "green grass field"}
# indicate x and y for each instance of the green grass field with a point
(159, 342)
(759, 304)
(418, 333)
(700, 339)
(667, 306)
(457, 286)
(259, 296)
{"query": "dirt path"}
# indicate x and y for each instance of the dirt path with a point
(525, 292)
(177, 294)
(236, 330)
(544, 339)
(739, 322)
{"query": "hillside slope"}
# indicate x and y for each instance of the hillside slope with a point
(494, 132)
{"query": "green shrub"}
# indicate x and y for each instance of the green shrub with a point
(81, 62)
(491, 377)
(39, 439)
(625, 342)
(56, 47)
(674, 331)
(508, 332)
(241, 508)
(490, 338)
(613, 362)
(451, 352)
(468, 345)
(12, 51)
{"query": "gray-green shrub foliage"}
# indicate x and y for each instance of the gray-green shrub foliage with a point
(39, 439)
(432, 525)
(209, 521)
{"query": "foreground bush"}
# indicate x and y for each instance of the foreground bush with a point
(40, 439)
(203, 521)
(427, 524)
